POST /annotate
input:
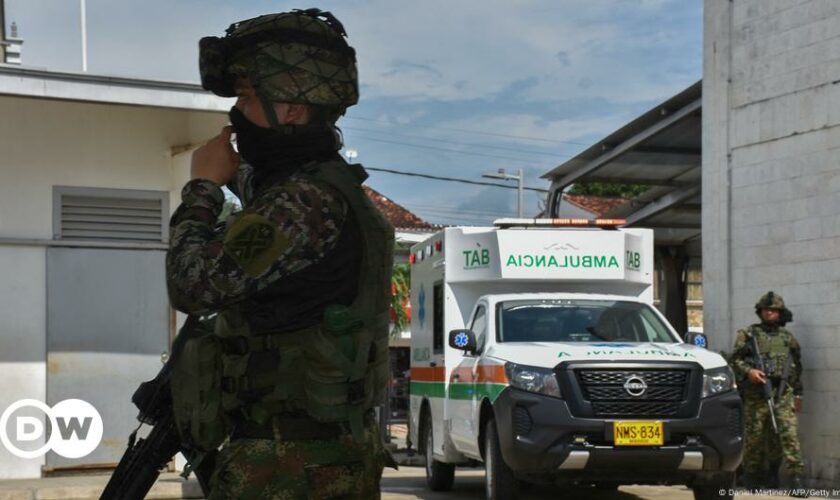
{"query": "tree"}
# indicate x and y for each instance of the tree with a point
(400, 291)
(609, 190)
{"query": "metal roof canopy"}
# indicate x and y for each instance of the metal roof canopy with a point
(660, 149)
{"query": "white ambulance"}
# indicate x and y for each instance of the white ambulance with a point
(536, 350)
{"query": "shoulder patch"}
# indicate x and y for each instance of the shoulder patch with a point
(254, 242)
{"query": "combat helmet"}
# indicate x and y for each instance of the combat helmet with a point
(298, 57)
(772, 300)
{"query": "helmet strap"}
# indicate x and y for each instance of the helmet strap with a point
(270, 114)
(268, 108)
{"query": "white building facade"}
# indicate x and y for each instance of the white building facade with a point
(771, 190)
(92, 167)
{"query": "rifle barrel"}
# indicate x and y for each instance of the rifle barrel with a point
(772, 415)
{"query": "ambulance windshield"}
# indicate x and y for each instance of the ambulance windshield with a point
(579, 321)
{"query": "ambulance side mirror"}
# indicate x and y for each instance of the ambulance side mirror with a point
(463, 340)
(698, 339)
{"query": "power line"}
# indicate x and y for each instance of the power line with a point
(458, 213)
(453, 179)
(540, 139)
(503, 211)
(475, 210)
(448, 150)
(457, 143)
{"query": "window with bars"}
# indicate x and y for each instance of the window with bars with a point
(117, 215)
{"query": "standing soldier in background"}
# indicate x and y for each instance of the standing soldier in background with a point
(767, 353)
(289, 369)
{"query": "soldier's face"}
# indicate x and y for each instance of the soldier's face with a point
(249, 104)
(770, 315)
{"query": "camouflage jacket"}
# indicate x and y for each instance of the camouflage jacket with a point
(743, 358)
(284, 229)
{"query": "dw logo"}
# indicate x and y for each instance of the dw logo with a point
(73, 428)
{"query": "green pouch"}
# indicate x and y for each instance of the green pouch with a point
(196, 390)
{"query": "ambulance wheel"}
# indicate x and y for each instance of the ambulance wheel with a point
(712, 491)
(499, 481)
(439, 475)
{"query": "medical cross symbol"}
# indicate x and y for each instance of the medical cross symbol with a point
(461, 340)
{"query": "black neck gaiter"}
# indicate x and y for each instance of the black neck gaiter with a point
(276, 155)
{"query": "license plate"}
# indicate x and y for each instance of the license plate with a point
(638, 433)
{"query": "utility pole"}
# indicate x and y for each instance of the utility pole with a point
(84, 36)
(2, 31)
(509, 177)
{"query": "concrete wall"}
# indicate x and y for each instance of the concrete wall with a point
(46, 143)
(771, 189)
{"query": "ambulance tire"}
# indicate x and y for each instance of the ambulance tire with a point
(439, 476)
(499, 481)
(712, 491)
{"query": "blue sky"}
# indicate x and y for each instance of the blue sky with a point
(452, 88)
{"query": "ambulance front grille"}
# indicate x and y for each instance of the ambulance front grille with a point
(635, 409)
(663, 395)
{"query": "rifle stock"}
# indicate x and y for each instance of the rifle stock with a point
(144, 458)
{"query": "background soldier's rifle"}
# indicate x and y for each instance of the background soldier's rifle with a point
(766, 387)
(144, 458)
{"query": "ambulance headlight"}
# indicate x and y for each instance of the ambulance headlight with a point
(718, 381)
(533, 379)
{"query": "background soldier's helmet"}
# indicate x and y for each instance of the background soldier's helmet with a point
(772, 300)
(296, 57)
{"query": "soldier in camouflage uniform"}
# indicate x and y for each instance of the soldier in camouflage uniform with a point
(780, 356)
(298, 281)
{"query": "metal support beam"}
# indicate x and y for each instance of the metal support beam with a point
(669, 225)
(627, 145)
(665, 202)
(665, 150)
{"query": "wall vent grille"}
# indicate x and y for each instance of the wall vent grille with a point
(110, 215)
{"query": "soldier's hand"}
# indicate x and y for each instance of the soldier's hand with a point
(216, 161)
(757, 376)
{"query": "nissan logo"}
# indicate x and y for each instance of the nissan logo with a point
(635, 386)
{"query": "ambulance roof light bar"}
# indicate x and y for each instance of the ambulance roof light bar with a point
(601, 223)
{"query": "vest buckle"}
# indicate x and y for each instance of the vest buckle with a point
(235, 345)
(240, 386)
(356, 392)
(228, 384)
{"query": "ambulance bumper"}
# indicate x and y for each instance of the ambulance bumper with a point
(540, 439)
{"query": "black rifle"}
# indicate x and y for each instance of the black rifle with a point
(766, 387)
(785, 375)
(144, 458)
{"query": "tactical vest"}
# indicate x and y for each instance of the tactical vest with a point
(774, 350)
(334, 370)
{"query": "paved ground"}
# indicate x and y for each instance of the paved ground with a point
(407, 483)
(410, 483)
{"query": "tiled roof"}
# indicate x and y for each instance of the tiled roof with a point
(596, 205)
(398, 216)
